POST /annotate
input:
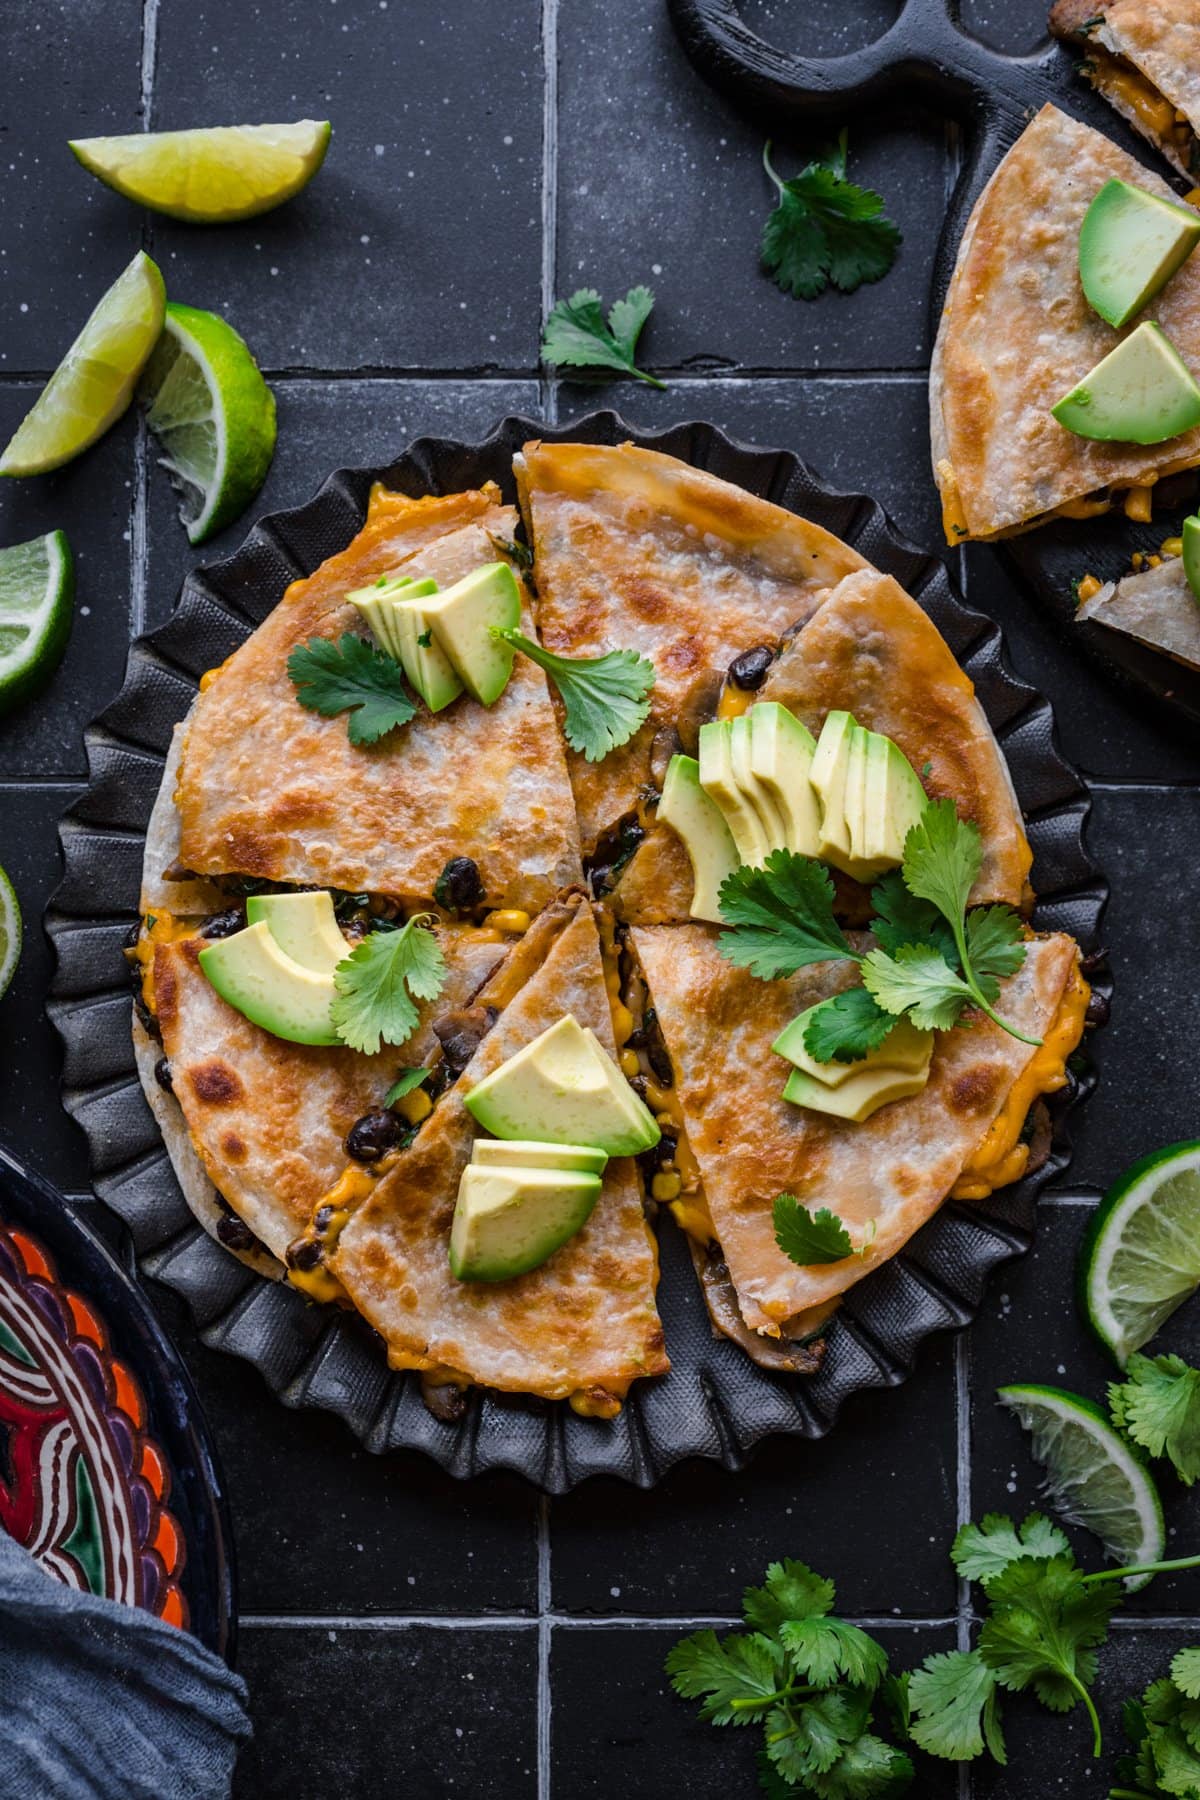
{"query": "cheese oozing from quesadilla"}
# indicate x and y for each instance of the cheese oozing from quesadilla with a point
(1144, 57)
(1017, 334)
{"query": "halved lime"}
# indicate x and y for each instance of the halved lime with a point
(209, 177)
(1140, 1256)
(37, 586)
(1093, 1475)
(10, 931)
(94, 382)
(213, 414)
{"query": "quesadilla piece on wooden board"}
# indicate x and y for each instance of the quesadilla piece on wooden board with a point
(585, 1324)
(636, 551)
(870, 650)
(1017, 334)
(269, 788)
(1156, 606)
(264, 1119)
(887, 1175)
(1144, 57)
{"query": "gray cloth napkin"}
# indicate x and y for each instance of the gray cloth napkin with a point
(100, 1701)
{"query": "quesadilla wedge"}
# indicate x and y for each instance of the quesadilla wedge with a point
(883, 1178)
(1017, 334)
(637, 551)
(1144, 57)
(270, 789)
(584, 1325)
(1155, 606)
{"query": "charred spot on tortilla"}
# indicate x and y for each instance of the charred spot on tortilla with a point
(215, 1083)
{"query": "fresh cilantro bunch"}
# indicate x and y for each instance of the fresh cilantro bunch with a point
(1164, 1729)
(1158, 1406)
(809, 1679)
(825, 229)
(379, 983)
(351, 676)
(932, 959)
(577, 333)
(606, 697)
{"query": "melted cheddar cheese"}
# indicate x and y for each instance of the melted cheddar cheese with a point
(1088, 585)
(158, 927)
(1138, 504)
(351, 1187)
(735, 701)
(954, 519)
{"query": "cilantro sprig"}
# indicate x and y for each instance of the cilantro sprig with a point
(351, 676)
(379, 983)
(826, 229)
(1158, 1407)
(406, 1083)
(577, 334)
(1164, 1729)
(606, 697)
(807, 1238)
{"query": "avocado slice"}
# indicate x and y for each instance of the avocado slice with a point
(461, 619)
(904, 1049)
(376, 606)
(719, 781)
(888, 801)
(1191, 553)
(856, 1099)
(523, 1153)
(304, 926)
(424, 661)
(1140, 393)
(508, 1221)
(1130, 245)
(700, 825)
(781, 756)
(563, 1088)
(270, 988)
(753, 791)
(830, 769)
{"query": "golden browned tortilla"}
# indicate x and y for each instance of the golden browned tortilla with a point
(1156, 606)
(1144, 57)
(271, 789)
(1017, 334)
(585, 1323)
(883, 1177)
(637, 551)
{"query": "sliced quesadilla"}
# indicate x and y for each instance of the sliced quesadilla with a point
(272, 790)
(1017, 335)
(584, 1325)
(884, 1177)
(1155, 606)
(1144, 57)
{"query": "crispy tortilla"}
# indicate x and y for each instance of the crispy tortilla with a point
(269, 788)
(1016, 334)
(751, 1145)
(1157, 607)
(1144, 57)
(585, 1323)
(636, 551)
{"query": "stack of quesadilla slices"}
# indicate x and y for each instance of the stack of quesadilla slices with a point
(1144, 57)
(632, 550)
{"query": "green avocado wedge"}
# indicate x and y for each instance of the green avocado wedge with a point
(699, 823)
(1130, 244)
(1191, 554)
(509, 1221)
(1140, 393)
(270, 988)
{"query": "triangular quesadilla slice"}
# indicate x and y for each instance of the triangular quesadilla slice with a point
(584, 1325)
(1155, 606)
(870, 650)
(270, 789)
(1017, 335)
(636, 551)
(1144, 57)
(884, 1177)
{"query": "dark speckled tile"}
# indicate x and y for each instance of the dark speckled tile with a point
(367, 1715)
(1015, 26)
(828, 28)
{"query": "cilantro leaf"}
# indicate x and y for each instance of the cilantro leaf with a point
(737, 1677)
(826, 229)
(901, 918)
(956, 1707)
(809, 1238)
(1158, 1406)
(1045, 1623)
(791, 1591)
(847, 1027)
(826, 1650)
(943, 855)
(351, 676)
(783, 914)
(606, 697)
(1185, 1672)
(379, 981)
(994, 941)
(919, 982)
(982, 1551)
(576, 333)
(408, 1080)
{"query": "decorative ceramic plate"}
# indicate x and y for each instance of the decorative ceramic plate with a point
(715, 1402)
(107, 1474)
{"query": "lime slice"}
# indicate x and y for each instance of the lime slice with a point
(37, 585)
(10, 931)
(94, 382)
(1140, 1257)
(209, 177)
(213, 415)
(1094, 1477)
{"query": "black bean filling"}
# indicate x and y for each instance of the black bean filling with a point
(461, 1033)
(374, 1135)
(234, 1233)
(614, 850)
(162, 1074)
(224, 924)
(304, 1254)
(749, 670)
(459, 887)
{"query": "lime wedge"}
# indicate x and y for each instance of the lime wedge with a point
(1093, 1475)
(37, 585)
(213, 415)
(1140, 1257)
(209, 177)
(10, 931)
(94, 382)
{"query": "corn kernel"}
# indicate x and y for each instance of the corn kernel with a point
(622, 1020)
(1087, 587)
(666, 1187)
(414, 1106)
(656, 1100)
(510, 919)
(1137, 505)
(1172, 546)
(630, 1066)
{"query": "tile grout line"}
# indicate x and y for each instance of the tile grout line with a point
(744, 377)
(547, 379)
(555, 1621)
(139, 506)
(544, 1630)
(962, 1506)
